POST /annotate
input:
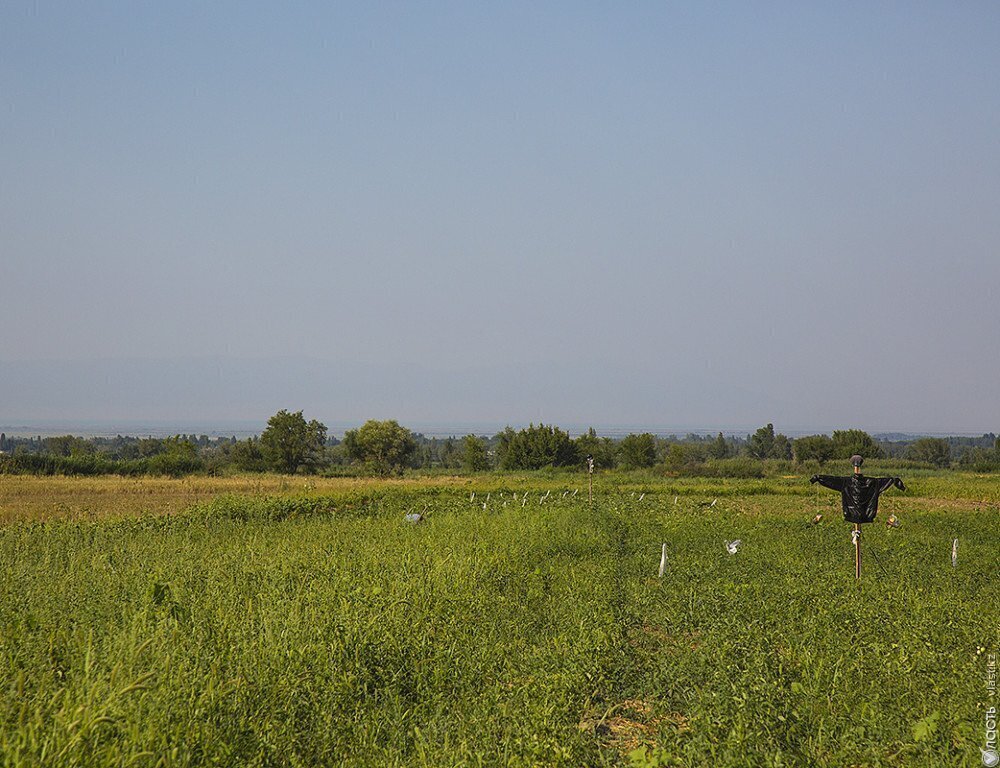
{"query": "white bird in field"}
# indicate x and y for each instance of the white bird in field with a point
(414, 517)
(732, 547)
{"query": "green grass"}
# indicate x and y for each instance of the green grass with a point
(323, 630)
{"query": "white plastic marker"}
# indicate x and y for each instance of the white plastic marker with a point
(524, 501)
(576, 491)
(473, 496)
(663, 560)
(732, 547)
(954, 554)
(642, 497)
(675, 500)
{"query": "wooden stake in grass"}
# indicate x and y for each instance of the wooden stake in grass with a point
(590, 478)
(856, 538)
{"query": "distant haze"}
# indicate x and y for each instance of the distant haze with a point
(705, 216)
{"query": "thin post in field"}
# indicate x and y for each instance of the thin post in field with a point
(856, 536)
(663, 560)
(954, 553)
(590, 479)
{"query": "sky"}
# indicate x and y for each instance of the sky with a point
(704, 215)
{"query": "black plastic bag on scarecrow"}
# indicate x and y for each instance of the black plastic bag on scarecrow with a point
(858, 494)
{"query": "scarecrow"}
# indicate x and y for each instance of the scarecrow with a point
(859, 495)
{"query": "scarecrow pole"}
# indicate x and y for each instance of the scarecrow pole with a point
(856, 535)
(590, 479)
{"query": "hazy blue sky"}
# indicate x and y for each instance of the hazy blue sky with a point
(702, 214)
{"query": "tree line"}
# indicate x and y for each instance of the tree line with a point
(290, 444)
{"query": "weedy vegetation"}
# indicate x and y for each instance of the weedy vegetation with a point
(307, 623)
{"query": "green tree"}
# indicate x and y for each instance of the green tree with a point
(980, 460)
(718, 448)
(290, 442)
(535, 447)
(450, 455)
(782, 447)
(848, 442)
(474, 457)
(68, 445)
(384, 446)
(765, 444)
(930, 450)
(684, 456)
(149, 446)
(760, 444)
(601, 448)
(248, 457)
(178, 456)
(637, 451)
(814, 448)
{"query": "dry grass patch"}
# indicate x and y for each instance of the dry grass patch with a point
(34, 498)
(631, 725)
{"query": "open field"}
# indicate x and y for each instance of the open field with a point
(109, 497)
(282, 621)
(28, 497)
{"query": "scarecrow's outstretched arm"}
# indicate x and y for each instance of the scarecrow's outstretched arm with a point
(832, 482)
(885, 483)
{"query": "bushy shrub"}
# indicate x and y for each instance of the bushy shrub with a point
(536, 447)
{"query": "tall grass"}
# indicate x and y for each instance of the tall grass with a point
(90, 465)
(309, 628)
